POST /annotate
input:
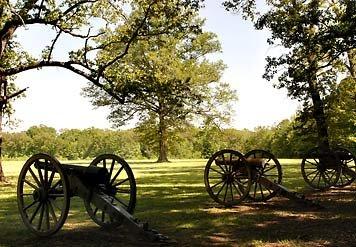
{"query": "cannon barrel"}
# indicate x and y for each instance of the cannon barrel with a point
(90, 174)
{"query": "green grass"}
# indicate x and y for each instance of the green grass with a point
(172, 198)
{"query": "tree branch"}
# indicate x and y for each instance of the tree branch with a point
(128, 44)
(67, 65)
(53, 44)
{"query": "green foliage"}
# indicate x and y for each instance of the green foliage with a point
(318, 37)
(71, 143)
(166, 82)
(285, 140)
(16, 145)
(43, 139)
(342, 113)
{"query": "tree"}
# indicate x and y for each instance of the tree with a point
(81, 19)
(316, 35)
(170, 81)
(341, 112)
(16, 144)
(43, 139)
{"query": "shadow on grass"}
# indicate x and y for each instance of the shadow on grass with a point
(196, 221)
(174, 202)
(83, 236)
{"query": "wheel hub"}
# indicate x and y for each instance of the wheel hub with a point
(40, 195)
(228, 177)
(110, 190)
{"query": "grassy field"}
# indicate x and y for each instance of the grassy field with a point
(172, 198)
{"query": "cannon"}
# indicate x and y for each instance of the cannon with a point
(324, 169)
(107, 187)
(231, 177)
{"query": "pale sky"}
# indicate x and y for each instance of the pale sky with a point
(54, 99)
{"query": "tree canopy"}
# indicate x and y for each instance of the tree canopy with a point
(167, 81)
(87, 21)
(317, 37)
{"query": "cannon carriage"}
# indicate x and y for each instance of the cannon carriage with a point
(322, 169)
(231, 177)
(107, 187)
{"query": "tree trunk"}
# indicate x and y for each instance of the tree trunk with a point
(2, 90)
(351, 54)
(319, 116)
(163, 140)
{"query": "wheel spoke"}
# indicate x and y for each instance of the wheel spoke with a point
(104, 163)
(34, 177)
(326, 182)
(321, 174)
(51, 178)
(222, 187)
(55, 185)
(318, 172)
(348, 179)
(121, 182)
(238, 191)
(121, 201)
(123, 191)
(230, 168)
(39, 225)
(40, 173)
(270, 168)
(216, 171)
(261, 191)
(227, 188)
(224, 161)
(222, 181)
(56, 206)
(341, 179)
(317, 161)
(333, 174)
(45, 175)
(116, 175)
(51, 210)
(47, 217)
(30, 205)
(26, 194)
(239, 182)
(311, 173)
(221, 167)
(232, 194)
(112, 167)
(314, 164)
(29, 183)
(255, 190)
(34, 213)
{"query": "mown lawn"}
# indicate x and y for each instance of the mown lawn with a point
(172, 198)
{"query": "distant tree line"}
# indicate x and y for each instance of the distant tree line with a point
(288, 139)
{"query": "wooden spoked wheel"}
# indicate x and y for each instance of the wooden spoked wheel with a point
(227, 178)
(320, 169)
(43, 195)
(348, 161)
(121, 189)
(263, 164)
